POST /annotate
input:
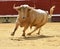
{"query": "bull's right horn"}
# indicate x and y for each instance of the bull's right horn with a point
(14, 7)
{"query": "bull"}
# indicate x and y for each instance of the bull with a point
(29, 17)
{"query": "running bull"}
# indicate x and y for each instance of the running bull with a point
(29, 17)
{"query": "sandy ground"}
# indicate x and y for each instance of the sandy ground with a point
(48, 39)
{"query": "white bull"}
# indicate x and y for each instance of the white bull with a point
(29, 17)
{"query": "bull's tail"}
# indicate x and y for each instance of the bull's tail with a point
(52, 10)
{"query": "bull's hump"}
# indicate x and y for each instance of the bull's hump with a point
(40, 11)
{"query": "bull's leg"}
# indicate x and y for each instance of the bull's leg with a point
(39, 31)
(24, 30)
(15, 30)
(33, 31)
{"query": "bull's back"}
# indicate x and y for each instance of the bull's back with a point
(39, 18)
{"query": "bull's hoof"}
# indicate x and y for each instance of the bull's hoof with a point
(29, 34)
(12, 34)
(38, 33)
(23, 35)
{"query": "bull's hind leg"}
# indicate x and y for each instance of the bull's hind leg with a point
(39, 31)
(33, 31)
(15, 30)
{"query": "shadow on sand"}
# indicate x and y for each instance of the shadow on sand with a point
(37, 37)
(31, 37)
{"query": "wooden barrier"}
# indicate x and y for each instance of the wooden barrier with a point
(55, 18)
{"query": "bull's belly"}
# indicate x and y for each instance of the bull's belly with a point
(39, 23)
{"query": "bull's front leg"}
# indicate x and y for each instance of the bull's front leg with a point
(15, 30)
(25, 30)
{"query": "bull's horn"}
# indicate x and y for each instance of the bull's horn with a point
(16, 7)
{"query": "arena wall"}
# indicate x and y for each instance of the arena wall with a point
(6, 7)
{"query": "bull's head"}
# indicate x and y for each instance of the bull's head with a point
(23, 11)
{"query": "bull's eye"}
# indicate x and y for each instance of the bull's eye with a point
(23, 17)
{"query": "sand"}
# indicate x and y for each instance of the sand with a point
(49, 37)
